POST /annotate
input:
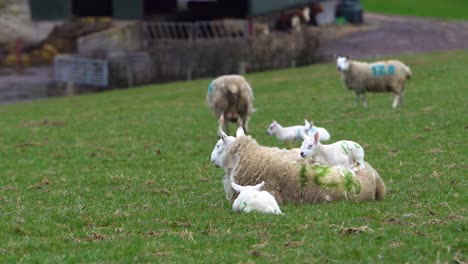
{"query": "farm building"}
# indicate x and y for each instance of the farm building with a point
(121, 43)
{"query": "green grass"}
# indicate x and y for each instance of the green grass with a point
(449, 9)
(124, 176)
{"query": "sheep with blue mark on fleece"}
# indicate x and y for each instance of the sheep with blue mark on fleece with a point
(379, 76)
(230, 99)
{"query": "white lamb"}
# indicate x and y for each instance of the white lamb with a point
(311, 129)
(380, 76)
(252, 199)
(294, 132)
(346, 153)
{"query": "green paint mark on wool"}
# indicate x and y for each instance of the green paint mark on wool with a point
(320, 172)
(351, 184)
(303, 176)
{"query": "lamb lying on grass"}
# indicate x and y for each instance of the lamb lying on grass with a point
(380, 76)
(291, 133)
(290, 178)
(230, 98)
(252, 199)
(344, 153)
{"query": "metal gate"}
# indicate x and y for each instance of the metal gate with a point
(80, 70)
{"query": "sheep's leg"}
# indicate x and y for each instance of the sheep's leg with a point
(364, 101)
(396, 100)
(222, 122)
(358, 95)
(401, 99)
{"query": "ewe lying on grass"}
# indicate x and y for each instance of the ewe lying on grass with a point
(380, 76)
(250, 199)
(230, 98)
(293, 132)
(290, 178)
(345, 153)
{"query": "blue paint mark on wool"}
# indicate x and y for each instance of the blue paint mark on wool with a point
(210, 88)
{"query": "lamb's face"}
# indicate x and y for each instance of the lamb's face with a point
(272, 128)
(308, 145)
(220, 150)
(342, 63)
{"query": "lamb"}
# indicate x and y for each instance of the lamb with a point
(380, 76)
(291, 179)
(230, 99)
(346, 153)
(310, 129)
(252, 199)
(293, 132)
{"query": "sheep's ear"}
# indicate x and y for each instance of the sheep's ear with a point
(307, 124)
(221, 134)
(259, 186)
(316, 136)
(274, 122)
(303, 135)
(240, 132)
(236, 187)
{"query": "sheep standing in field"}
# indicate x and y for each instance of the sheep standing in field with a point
(291, 133)
(380, 76)
(290, 178)
(250, 199)
(230, 98)
(344, 153)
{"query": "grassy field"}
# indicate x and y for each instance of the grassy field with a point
(124, 176)
(450, 9)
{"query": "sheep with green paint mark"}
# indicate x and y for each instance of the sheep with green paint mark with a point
(346, 153)
(230, 99)
(380, 76)
(290, 178)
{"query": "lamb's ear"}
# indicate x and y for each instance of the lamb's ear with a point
(303, 135)
(236, 187)
(240, 132)
(259, 186)
(307, 124)
(221, 134)
(316, 136)
(274, 122)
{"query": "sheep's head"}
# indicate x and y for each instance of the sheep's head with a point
(222, 146)
(239, 188)
(342, 63)
(273, 128)
(309, 144)
(220, 150)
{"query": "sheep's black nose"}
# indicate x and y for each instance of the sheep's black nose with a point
(303, 154)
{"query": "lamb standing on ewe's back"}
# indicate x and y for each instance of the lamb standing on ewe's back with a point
(348, 154)
(230, 98)
(290, 178)
(294, 132)
(250, 199)
(380, 76)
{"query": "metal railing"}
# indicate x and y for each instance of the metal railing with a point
(156, 31)
(68, 68)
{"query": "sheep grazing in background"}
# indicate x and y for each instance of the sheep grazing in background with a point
(294, 132)
(250, 199)
(290, 178)
(230, 98)
(380, 76)
(348, 154)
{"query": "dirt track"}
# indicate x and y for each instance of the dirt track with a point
(379, 36)
(389, 35)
